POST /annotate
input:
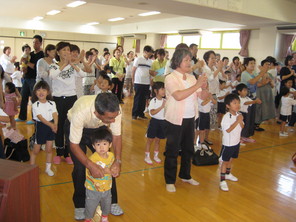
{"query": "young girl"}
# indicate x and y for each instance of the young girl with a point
(11, 103)
(46, 117)
(17, 77)
(155, 130)
(128, 78)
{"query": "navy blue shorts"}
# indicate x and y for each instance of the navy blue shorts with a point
(285, 118)
(43, 133)
(203, 121)
(229, 152)
(156, 129)
(221, 108)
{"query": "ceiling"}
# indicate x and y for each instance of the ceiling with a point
(175, 15)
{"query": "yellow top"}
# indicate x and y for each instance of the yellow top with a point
(156, 65)
(118, 66)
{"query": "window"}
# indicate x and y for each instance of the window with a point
(231, 40)
(173, 41)
(191, 39)
(211, 41)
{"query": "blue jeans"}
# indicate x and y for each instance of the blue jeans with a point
(27, 91)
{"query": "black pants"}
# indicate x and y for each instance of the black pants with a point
(141, 94)
(26, 92)
(63, 105)
(293, 119)
(117, 89)
(78, 174)
(178, 137)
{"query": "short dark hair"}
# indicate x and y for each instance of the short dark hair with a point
(284, 90)
(264, 61)
(74, 48)
(240, 87)
(5, 48)
(106, 102)
(102, 73)
(26, 46)
(148, 48)
(230, 97)
(178, 56)
(247, 60)
(44, 85)
(272, 60)
(207, 55)
(156, 86)
(91, 49)
(192, 45)
(182, 46)
(38, 37)
(287, 59)
(60, 46)
(221, 81)
(88, 54)
(106, 50)
(102, 133)
(10, 86)
(106, 53)
(106, 77)
(17, 65)
(160, 52)
(224, 58)
(49, 47)
(235, 58)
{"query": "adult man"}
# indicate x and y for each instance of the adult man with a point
(30, 77)
(87, 114)
(193, 48)
(141, 80)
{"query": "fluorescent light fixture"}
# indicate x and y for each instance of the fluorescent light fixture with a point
(115, 19)
(38, 18)
(75, 4)
(93, 23)
(149, 13)
(53, 12)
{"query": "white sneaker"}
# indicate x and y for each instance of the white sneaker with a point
(291, 130)
(116, 210)
(43, 147)
(223, 186)
(146, 110)
(191, 181)
(148, 160)
(283, 134)
(79, 214)
(230, 177)
(170, 188)
(49, 172)
(156, 159)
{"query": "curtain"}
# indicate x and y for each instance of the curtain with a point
(163, 40)
(289, 43)
(138, 41)
(120, 41)
(244, 42)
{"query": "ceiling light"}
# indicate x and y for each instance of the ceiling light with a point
(38, 18)
(75, 4)
(93, 23)
(115, 19)
(53, 12)
(149, 13)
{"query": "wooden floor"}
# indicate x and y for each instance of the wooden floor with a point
(266, 190)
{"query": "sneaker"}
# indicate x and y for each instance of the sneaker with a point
(49, 172)
(242, 143)
(248, 140)
(291, 130)
(208, 142)
(42, 147)
(79, 214)
(116, 210)
(283, 134)
(57, 160)
(88, 220)
(156, 159)
(223, 186)
(231, 177)
(197, 147)
(104, 219)
(30, 122)
(19, 120)
(142, 117)
(170, 188)
(146, 110)
(204, 146)
(69, 160)
(191, 181)
(148, 160)
(259, 129)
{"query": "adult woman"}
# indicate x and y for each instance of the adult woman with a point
(235, 68)
(7, 63)
(287, 72)
(117, 66)
(90, 77)
(180, 112)
(64, 93)
(44, 63)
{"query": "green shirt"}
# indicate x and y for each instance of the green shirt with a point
(156, 65)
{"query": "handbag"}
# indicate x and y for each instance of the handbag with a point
(16, 151)
(203, 157)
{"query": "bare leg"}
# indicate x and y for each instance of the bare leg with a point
(34, 153)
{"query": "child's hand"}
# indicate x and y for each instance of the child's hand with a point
(258, 101)
(107, 171)
(240, 118)
(54, 128)
(163, 103)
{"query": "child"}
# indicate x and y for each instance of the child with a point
(101, 84)
(220, 97)
(292, 95)
(286, 109)
(11, 103)
(98, 190)
(128, 78)
(232, 124)
(245, 102)
(155, 130)
(237, 81)
(205, 101)
(25, 57)
(17, 77)
(46, 117)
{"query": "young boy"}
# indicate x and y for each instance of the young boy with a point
(220, 98)
(245, 102)
(232, 124)
(102, 84)
(98, 190)
(286, 109)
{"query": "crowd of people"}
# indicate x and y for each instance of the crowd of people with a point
(76, 94)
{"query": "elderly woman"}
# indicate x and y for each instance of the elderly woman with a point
(287, 72)
(180, 112)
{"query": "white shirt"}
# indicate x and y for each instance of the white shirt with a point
(98, 90)
(44, 109)
(17, 78)
(142, 75)
(43, 72)
(232, 138)
(129, 70)
(90, 76)
(154, 104)
(189, 108)
(220, 94)
(206, 108)
(243, 107)
(287, 103)
(64, 82)
(213, 81)
(6, 64)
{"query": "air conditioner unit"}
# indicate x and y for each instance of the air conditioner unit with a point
(286, 27)
(135, 36)
(190, 32)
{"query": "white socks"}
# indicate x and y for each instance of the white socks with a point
(48, 170)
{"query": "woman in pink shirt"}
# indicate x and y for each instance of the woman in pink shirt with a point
(180, 112)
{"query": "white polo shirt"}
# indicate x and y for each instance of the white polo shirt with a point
(232, 138)
(243, 107)
(206, 108)
(142, 75)
(44, 109)
(154, 104)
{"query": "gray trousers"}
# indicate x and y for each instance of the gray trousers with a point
(94, 199)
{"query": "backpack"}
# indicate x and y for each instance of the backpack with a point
(16, 151)
(205, 156)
